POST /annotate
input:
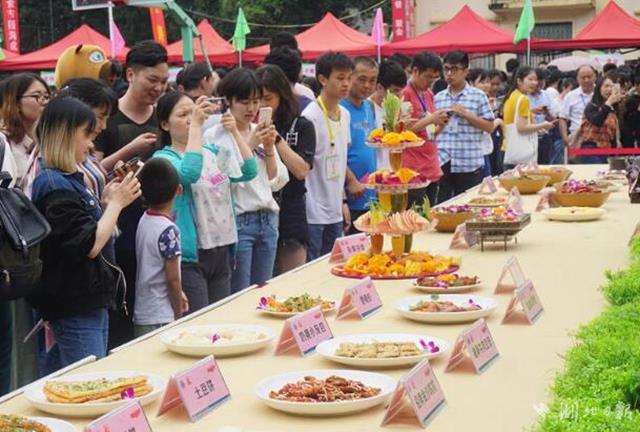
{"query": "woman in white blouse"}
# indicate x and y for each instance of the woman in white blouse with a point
(256, 209)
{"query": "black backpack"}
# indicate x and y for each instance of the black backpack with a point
(22, 228)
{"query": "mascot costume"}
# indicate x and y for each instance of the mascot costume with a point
(85, 61)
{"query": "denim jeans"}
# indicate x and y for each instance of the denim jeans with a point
(322, 238)
(557, 153)
(6, 341)
(256, 249)
(82, 335)
(486, 170)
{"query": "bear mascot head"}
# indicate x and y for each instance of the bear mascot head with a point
(85, 61)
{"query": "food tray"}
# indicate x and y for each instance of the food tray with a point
(397, 187)
(499, 228)
(401, 146)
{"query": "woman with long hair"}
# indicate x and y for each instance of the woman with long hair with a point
(516, 111)
(600, 128)
(296, 145)
(204, 211)
(78, 283)
(256, 209)
(23, 97)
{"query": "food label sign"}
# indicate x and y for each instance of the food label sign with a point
(305, 330)
(200, 388)
(127, 418)
(361, 298)
(345, 247)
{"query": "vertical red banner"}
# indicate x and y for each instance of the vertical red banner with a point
(403, 14)
(11, 25)
(158, 25)
(398, 15)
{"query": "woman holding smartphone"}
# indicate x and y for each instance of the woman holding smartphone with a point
(204, 211)
(78, 282)
(256, 209)
(296, 145)
(600, 129)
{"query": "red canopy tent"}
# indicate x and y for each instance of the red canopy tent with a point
(219, 50)
(46, 58)
(328, 34)
(612, 27)
(466, 31)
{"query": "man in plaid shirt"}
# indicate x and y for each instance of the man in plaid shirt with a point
(460, 141)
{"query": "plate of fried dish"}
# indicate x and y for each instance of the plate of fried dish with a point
(16, 423)
(93, 394)
(381, 350)
(450, 283)
(446, 308)
(217, 339)
(325, 391)
(293, 305)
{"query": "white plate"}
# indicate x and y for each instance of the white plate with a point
(54, 424)
(488, 305)
(440, 290)
(217, 349)
(290, 314)
(564, 214)
(386, 384)
(328, 348)
(36, 397)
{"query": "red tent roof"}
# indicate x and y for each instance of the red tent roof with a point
(466, 31)
(219, 50)
(46, 58)
(328, 34)
(612, 27)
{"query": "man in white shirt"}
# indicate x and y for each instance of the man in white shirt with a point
(575, 102)
(327, 213)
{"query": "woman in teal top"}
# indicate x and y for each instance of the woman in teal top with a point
(204, 212)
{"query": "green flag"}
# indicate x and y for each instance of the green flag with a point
(241, 31)
(1, 54)
(526, 24)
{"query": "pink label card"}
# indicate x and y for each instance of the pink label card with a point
(546, 201)
(361, 299)
(463, 239)
(345, 247)
(305, 330)
(488, 186)
(420, 386)
(476, 342)
(127, 418)
(511, 268)
(199, 388)
(514, 201)
(532, 166)
(527, 297)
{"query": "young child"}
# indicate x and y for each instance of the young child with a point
(159, 297)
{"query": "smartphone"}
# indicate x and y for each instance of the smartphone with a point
(220, 104)
(134, 165)
(264, 116)
(450, 113)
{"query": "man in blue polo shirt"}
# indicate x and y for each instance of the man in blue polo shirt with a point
(361, 158)
(460, 141)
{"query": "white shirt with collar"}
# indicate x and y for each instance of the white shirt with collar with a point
(573, 108)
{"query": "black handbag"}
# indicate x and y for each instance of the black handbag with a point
(22, 228)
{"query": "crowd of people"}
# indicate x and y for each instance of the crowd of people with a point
(169, 197)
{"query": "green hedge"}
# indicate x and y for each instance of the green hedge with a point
(599, 389)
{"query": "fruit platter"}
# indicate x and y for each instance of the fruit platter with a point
(393, 136)
(379, 138)
(399, 181)
(391, 266)
(405, 222)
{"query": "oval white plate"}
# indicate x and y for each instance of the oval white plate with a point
(440, 290)
(328, 349)
(386, 384)
(217, 349)
(54, 424)
(562, 214)
(488, 305)
(37, 398)
(290, 314)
